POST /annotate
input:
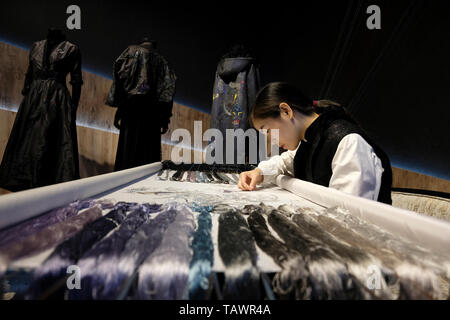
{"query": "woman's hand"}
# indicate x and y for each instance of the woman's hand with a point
(249, 179)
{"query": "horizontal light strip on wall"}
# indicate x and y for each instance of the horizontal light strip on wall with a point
(115, 131)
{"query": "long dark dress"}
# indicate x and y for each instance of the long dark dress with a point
(143, 89)
(140, 135)
(42, 148)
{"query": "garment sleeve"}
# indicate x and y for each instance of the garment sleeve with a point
(165, 88)
(29, 73)
(276, 165)
(253, 86)
(216, 103)
(356, 168)
(76, 77)
(116, 95)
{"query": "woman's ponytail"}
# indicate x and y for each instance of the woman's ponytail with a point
(270, 97)
(321, 105)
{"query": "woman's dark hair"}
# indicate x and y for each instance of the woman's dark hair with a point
(270, 97)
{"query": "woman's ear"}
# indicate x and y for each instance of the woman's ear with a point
(285, 110)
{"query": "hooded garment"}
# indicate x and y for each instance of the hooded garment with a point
(235, 88)
(42, 148)
(143, 90)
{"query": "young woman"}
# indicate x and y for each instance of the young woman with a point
(325, 145)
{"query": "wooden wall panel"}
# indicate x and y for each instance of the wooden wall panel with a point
(97, 151)
(402, 178)
(13, 65)
(6, 123)
(97, 137)
(97, 148)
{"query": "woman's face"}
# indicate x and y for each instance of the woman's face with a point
(287, 126)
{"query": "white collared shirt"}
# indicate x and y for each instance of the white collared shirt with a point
(356, 168)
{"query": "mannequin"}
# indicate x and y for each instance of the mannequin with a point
(235, 87)
(142, 91)
(42, 148)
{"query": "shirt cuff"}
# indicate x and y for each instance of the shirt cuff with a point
(269, 169)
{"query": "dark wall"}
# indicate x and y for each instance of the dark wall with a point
(394, 81)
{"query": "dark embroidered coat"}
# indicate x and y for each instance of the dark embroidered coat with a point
(143, 90)
(236, 85)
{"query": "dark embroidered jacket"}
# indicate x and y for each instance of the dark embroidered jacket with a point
(143, 90)
(142, 71)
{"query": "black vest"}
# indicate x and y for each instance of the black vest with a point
(312, 161)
